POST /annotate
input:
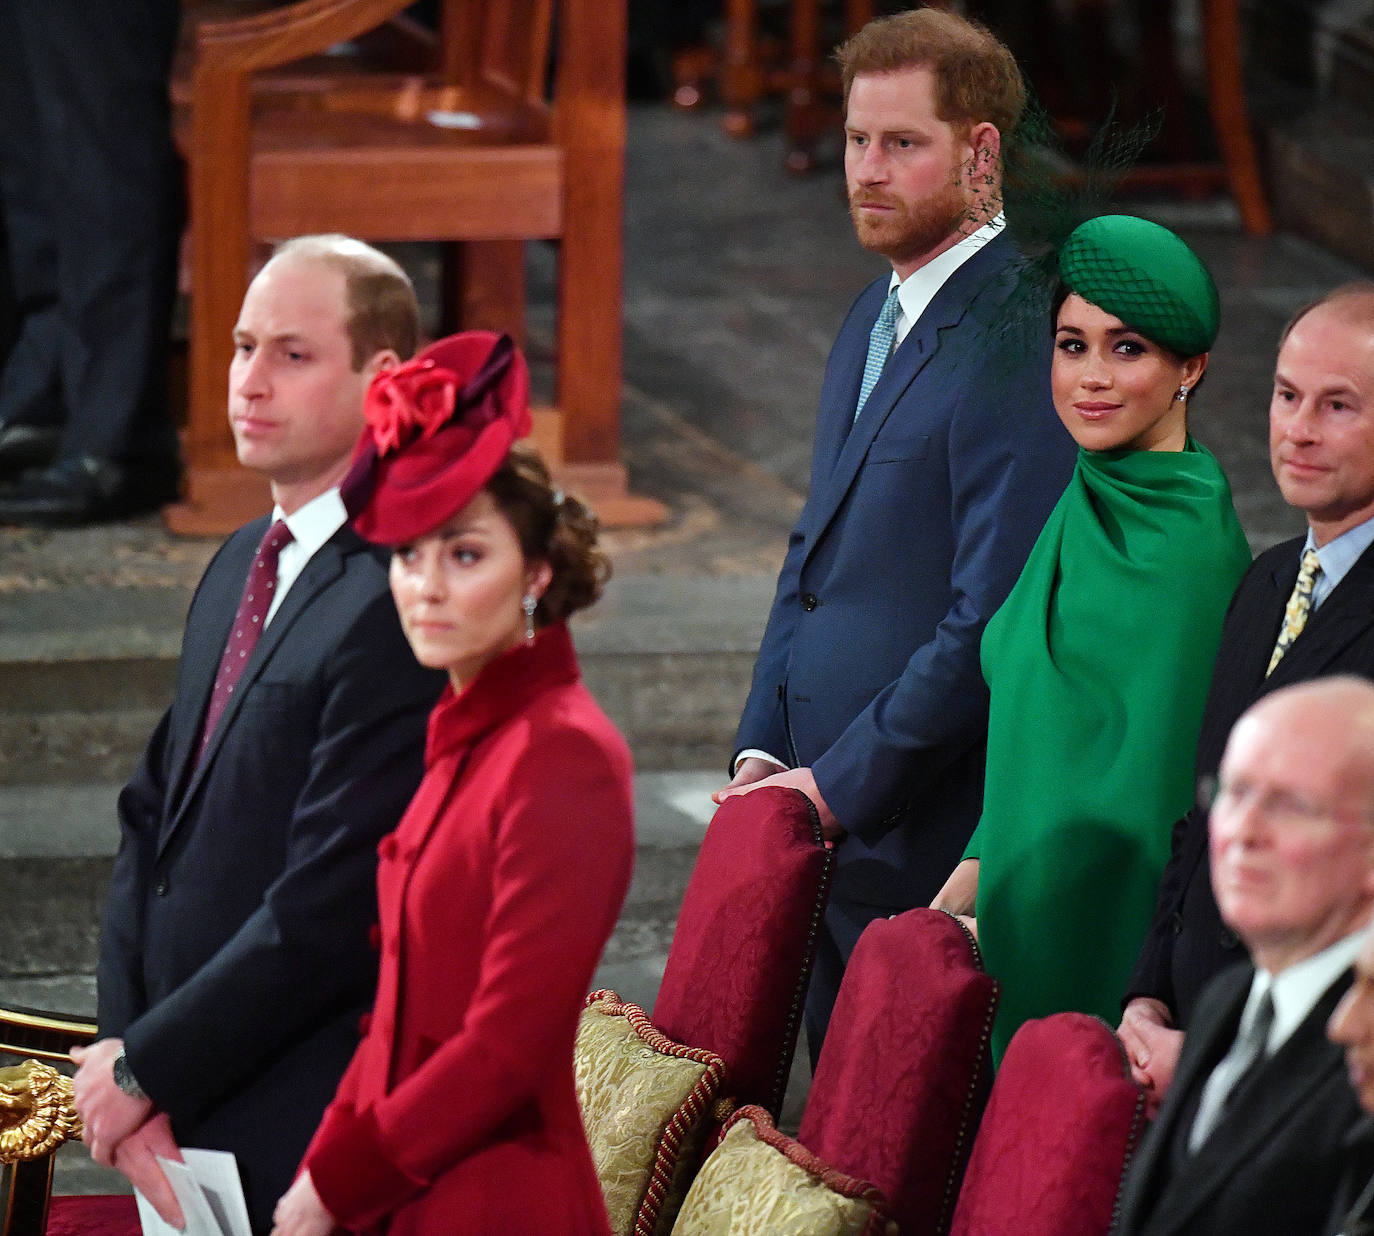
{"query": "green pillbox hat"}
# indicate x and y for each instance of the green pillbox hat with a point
(1146, 276)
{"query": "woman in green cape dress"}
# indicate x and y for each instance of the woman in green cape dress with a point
(1098, 662)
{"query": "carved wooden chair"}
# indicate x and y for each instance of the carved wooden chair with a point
(516, 133)
(36, 1117)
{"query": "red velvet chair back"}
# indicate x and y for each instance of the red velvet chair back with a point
(107, 1215)
(1062, 1124)
(745, 940)
(905, 1069)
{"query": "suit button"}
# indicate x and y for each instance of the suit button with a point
(1176, 923)
(809, 601)
(1228, 938)
(160, 888)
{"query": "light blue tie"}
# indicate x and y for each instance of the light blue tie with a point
(879, 348)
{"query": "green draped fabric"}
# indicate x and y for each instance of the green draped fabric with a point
(1098, 665)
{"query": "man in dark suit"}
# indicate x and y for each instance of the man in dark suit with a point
(937, 458)
(1322, 453)
(1252, 1136)
(1352, 1027)
(236, 960)
(90, 189)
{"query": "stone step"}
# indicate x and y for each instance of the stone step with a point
(84, 673)
(57, 844)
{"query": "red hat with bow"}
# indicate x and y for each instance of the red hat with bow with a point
(438, 429)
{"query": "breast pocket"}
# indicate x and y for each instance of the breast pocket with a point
(898, 448)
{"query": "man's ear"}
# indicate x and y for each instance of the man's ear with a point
(986, 144)
(379, 362)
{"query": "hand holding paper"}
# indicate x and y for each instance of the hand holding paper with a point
(138, 1159)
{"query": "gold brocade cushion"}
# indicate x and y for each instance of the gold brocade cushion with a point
(647, 1105)
(759, 1180)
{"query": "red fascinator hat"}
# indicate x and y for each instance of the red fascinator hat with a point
(438, 428)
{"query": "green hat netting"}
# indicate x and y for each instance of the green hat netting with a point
(1146, 276)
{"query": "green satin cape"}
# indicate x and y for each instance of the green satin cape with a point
(1098, 665)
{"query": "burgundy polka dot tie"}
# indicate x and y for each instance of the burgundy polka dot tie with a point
(248, 624)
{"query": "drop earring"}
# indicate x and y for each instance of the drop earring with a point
(528, 604)
(1181, 394)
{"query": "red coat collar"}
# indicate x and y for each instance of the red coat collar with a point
(505, 687)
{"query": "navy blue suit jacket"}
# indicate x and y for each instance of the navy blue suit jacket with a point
(919, 520)
(235, 959)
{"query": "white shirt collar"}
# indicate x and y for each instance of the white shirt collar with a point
(311, 526)
(1298, 987)
(918, 289)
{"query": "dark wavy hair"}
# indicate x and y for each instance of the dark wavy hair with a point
(551, 527)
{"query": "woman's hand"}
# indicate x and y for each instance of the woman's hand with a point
(300, 1211)
(960, 891)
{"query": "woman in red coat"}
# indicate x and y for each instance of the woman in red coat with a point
(500, 886)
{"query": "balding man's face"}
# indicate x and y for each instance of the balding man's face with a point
(1291, 837)
(1321, 420)
(1352, 1026)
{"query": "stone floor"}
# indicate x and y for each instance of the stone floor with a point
(737, 276)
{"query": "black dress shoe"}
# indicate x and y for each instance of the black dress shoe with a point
(85, 490)
(27, 446)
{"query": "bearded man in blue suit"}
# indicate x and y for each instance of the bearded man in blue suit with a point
(937, 458)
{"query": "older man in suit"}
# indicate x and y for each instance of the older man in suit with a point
(1352, 1026)
(1321, 439)
(1252, 1136)
(937, 458)
(235, 961)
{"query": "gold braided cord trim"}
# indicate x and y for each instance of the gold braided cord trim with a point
(833, 1179)
(689, 1115)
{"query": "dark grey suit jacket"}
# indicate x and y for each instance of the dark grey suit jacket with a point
(1275, 1161)
(235, 959)
(1187, 943)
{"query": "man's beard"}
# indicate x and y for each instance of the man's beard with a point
(913, 228)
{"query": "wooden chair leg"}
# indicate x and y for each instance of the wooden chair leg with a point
(484, 287)
(1230, 116)
(741, 73)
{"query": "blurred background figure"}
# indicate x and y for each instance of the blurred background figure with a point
(91, 194)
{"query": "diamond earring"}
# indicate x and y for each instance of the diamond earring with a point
(528, 604)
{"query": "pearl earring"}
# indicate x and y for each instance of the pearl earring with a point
(528, 604)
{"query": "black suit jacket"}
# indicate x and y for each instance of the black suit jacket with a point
(235, 959)
(1278, 1155)
(1187, 943)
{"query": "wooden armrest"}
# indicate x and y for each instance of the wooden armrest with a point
(307, 28)
(38, 1032)
(37, 1113)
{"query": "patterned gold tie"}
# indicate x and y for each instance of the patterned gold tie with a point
(1299, 607)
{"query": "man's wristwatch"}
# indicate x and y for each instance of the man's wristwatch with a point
(124, 1078)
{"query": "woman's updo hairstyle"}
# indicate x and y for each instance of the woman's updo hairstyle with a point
(551, 527)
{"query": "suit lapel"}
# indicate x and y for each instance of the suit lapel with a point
(206, 637)
(1286, 1081)
(1212, 1034)
(1340, 619)
(949, 308)
(324, 567)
